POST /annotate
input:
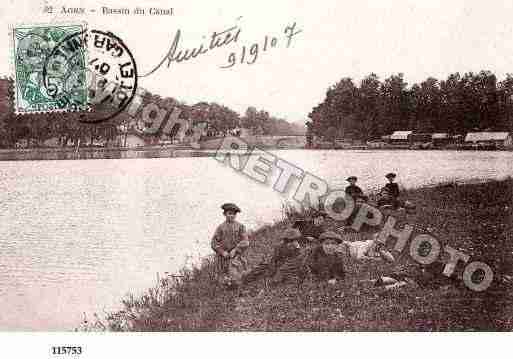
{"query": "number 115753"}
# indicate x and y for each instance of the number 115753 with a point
(65, 350)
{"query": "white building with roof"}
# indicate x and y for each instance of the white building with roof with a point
(400, 136)
(500, 139)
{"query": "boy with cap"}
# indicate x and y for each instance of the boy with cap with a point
(285, 263)
(229, 240)
(389, 194)
(353, 190)
(325, 261)
(357, 194)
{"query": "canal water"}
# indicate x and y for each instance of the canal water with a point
(77, 236)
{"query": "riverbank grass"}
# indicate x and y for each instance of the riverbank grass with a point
(474, 218)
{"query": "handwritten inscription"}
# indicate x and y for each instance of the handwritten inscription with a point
(248, 54)
(177, 54)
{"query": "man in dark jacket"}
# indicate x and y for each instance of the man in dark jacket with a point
(353, 190)
(357, 194)
(389, 194)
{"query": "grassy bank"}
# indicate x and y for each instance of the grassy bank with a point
(476, 218)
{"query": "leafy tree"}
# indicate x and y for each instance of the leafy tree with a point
(457, 104)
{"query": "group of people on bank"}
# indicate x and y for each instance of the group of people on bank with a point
(306, 248)
(388, 196)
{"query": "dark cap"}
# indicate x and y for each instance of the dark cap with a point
(390, 175)
(330, 235)
(290, 234)
(230, 207)
(352, 178)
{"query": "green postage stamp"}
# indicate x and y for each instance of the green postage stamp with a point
(49, 68)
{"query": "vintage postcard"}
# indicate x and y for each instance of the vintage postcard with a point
(298, 166)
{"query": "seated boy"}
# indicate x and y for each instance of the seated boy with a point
(285, 264)
(354, 191)
(389, 195)
(357, 195)
(324, 260)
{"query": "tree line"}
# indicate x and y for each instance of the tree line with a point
(456, 105)
(66, 129)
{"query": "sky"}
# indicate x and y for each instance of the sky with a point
(337, 39)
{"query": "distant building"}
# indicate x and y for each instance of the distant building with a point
(498, 139)
(400, 137)
(441, 139)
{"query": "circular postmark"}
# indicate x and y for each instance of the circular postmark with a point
(64, 73)
(106, 79)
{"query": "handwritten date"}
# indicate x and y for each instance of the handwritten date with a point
(249, 54)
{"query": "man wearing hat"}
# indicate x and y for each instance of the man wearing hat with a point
(325, 260)
(229, 240)
(353, 190)
(389, 195)
(357, 194)
(286, 262)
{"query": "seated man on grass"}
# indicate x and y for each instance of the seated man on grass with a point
(285, 264)
(290, 263)
(354, 191)
(388, 196)
(429, 276)
(426, 277)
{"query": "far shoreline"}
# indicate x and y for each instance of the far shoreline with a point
(89, 153)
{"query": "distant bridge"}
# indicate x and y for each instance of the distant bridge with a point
(290, 141)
